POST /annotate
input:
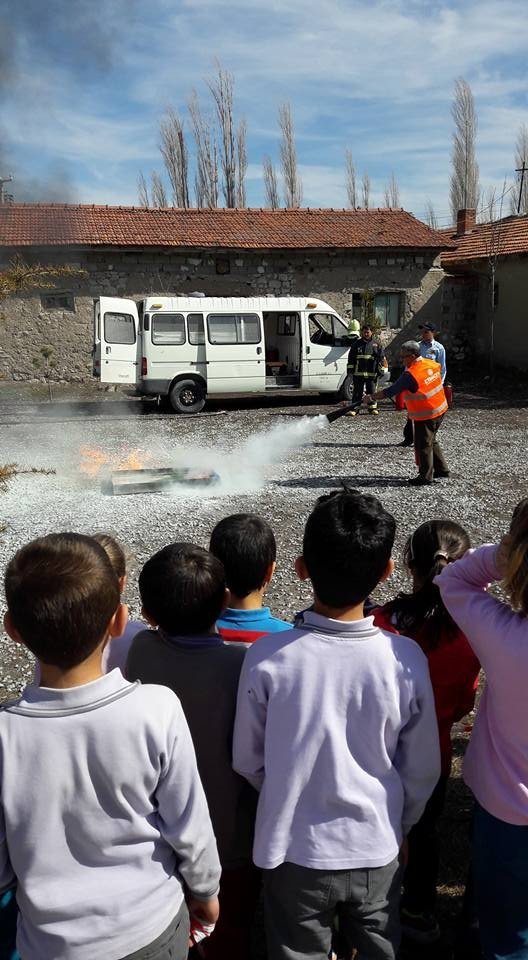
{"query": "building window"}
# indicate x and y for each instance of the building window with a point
(234, 328)
(387, 308)
(119, 328)
(168, 329)
(58, 301)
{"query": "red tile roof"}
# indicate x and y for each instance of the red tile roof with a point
(505, 237)
(50, 224)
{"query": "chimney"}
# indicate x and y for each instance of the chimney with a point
(466, 220)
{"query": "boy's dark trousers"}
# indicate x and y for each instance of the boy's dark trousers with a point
(172, 944)
(429, 454)
(421, 873)
(300, 906)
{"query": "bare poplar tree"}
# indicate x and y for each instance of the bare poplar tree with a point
(392, 193)
(221, 88)
(487, 212)
(292, 185)
(430, 215)
(206, 174)
(464, 188)
(365, 190)
(271, 186)
(241, 164)
(143, 190)
(157, 191)
(173, 149)
(351, 179)
(519, 201)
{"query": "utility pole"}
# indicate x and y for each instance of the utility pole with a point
(4, 197)
(522, 170)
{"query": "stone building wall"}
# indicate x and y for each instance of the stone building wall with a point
(29, 324)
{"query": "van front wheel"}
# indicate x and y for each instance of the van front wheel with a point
(347, 389)
(187, 396)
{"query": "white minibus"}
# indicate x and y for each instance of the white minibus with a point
(193, 347)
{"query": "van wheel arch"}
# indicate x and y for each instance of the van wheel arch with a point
(187, 394)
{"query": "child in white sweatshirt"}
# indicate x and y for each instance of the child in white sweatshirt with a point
(103, 820)
(336, 728)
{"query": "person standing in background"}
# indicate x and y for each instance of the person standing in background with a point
(433, 350)
(365, 363)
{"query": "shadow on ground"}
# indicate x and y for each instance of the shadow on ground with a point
(319, 483)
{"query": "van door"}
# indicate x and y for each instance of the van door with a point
(325, 351)
(235, 355)
(116, 340)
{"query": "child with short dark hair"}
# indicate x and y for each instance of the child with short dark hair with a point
(245, 544)
(104, 820)
(336, 728)
(496, 761)
(454, 670)
(183, 593)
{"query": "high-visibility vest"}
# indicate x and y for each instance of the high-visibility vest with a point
(429, 401)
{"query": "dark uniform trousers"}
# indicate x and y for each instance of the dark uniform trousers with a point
(429, 454)
(368, 384)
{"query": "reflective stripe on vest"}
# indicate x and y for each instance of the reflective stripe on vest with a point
(429, 401)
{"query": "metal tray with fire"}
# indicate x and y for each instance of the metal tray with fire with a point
(156, 479)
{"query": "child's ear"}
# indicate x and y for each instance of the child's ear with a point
(300, 569)
(10, 629)
(389, 570)
(150, 620)
(268, 576)
(118, 623)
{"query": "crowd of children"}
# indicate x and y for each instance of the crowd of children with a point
(159, 778)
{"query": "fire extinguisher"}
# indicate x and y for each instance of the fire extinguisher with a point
(448, 390)
(398, 402)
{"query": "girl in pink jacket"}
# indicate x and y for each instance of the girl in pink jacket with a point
(496, 764)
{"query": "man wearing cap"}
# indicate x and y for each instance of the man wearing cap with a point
(423, 394)
(431, 348)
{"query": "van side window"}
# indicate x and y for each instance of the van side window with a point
(231, 328)
(119, 328)
(195, 325)
(321, 328)
(168, 329)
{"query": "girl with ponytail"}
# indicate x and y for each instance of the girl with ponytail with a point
(454, 670)
(496, 763)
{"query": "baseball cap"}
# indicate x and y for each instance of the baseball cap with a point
(427, 326)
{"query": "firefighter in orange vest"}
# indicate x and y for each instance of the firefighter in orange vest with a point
(424, 397)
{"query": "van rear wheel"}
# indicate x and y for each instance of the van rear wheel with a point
(187, 396)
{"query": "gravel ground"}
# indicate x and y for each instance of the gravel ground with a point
(254, 448)
(254, 451)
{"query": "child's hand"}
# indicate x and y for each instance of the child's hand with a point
(206, 911)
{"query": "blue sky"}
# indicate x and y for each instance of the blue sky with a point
(83, 86)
